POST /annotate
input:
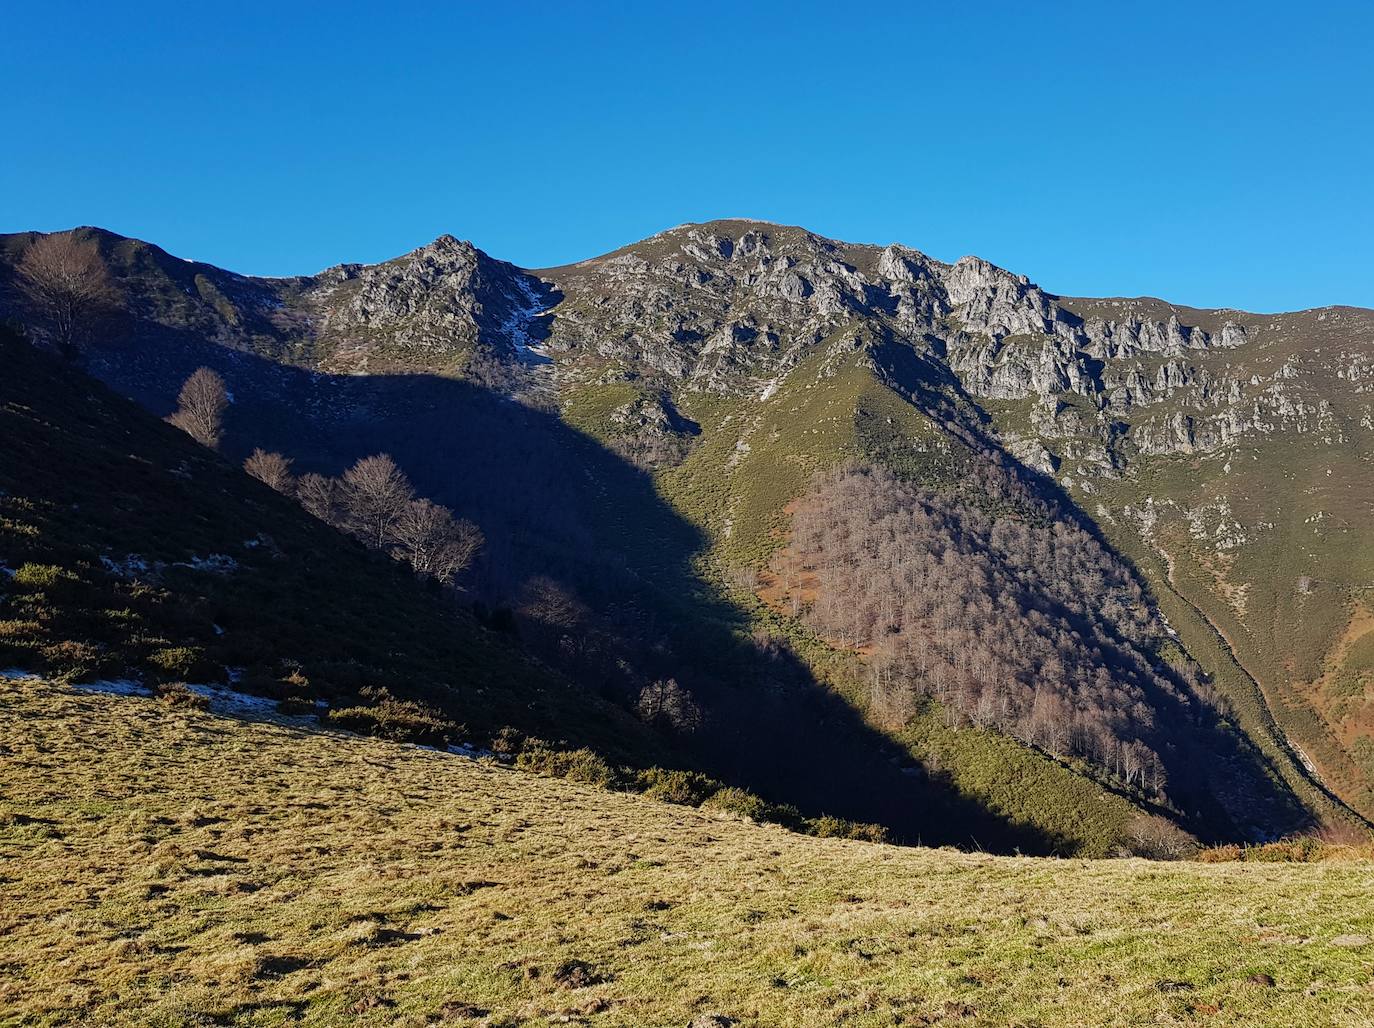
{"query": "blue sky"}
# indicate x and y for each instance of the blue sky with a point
(1212, 153)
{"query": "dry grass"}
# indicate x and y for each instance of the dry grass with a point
(162, 866)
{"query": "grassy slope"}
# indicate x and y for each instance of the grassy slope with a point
(1299, 500)
(1196, 612)
(828, 410)
(344, 880)
(1305, 501)
(85, 475)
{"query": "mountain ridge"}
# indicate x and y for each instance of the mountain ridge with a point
(536, 270)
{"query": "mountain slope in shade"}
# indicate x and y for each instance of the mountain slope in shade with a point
(130, 550)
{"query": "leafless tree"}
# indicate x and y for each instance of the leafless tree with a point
(200, 407)
(1156, 839)
(319, 495)
(375, 493)
(435, 543)
(65, 279)
(665, 704)
(552, 603)
(270, 468)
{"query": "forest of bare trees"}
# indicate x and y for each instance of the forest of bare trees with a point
(375, 502)
(1024, 624)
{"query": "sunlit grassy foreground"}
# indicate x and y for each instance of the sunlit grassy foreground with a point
(160, 866)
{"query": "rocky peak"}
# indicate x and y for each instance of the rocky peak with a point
(439, 300)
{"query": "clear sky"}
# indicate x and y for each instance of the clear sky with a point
(1212, 153)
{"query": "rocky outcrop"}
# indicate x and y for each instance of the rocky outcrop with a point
(442, 300)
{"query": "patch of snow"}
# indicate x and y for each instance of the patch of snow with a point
(218, 630)
(215, 564)
(17, 674)
(224, 701)
(1306, 761)
(8, 572)
(130, 567)
(237, 704)
(117, 687)
(469, 751)
(517, 326)
(134, 566)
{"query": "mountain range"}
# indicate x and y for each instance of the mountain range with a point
(926, 546)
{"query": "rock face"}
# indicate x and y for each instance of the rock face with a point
(733, 307)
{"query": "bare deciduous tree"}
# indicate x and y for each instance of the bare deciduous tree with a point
(434, 542)
(374, 493)
(667, 705)
(271, 469)
(319, 495)
(200, 407)
(65, 279)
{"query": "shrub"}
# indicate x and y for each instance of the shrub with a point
(737, 801)
(508, 742)
(575, 765)
(398, 720)
(1301, 850)
(71, 660)
(686, 787)
(184, 664)
(746, 804)
(1155, 839)
(669, 707)
(828, 827)
(178, 694)
(40, 576)
(1221, 854)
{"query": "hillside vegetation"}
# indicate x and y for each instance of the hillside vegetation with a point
(163, 866)
(130, 550)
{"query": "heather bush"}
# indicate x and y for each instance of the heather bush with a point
(671, 786)
(580, 765)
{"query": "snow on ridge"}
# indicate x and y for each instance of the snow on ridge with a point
(516, 327)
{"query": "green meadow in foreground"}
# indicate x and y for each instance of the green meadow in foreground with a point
(161, 865)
